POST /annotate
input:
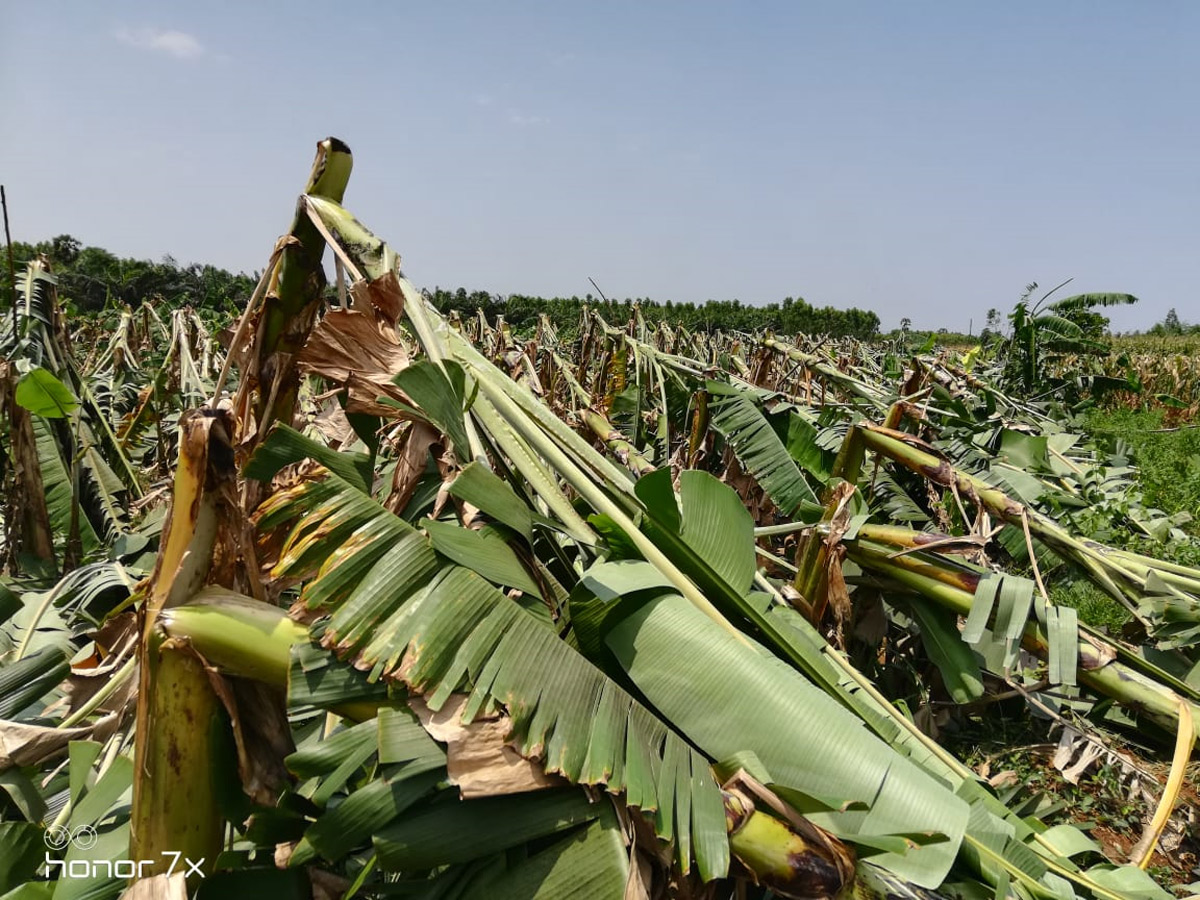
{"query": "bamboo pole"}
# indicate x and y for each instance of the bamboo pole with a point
(12, 271)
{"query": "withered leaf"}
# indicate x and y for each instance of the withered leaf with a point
(478, 757)
(29, 745)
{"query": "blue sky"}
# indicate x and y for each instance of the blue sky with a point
(925, 160)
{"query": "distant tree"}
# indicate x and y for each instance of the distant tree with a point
(63, 250)
(995, 321)
(91, 277)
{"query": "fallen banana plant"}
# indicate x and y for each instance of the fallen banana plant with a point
(1163, 596)
(530, 651)
(1007, 604)
(697, 560)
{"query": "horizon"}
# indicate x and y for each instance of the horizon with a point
(588, 296)
(924, 162)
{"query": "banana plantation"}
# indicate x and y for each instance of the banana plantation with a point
(350, 598)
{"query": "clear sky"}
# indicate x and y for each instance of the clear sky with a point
(925, 160)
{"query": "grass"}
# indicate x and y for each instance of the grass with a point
(1156, 343)
(1095, 607)
(1168, 461)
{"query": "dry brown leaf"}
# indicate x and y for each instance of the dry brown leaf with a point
(260, 733)
(383, 296)
(334, 426)
(1090, 754)
(1074, 745)
(326, 885)
(1007, 778)
(641, 876)
(478, 757)
(837, 595)
(357, 349)
(29, 745)
(931, 722)
(116, 635)
(114, 641)
(414, 448)
(82, 686)
(283, 853)
(362, 393)
(839, 522)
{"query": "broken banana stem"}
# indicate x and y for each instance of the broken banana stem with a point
(1127, 686)
(241, 637)
(174, 806)
(1116, 579)
(617, 443)
(775, 855)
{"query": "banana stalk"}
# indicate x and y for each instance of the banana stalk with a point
(173, 806)
(174, 809)
(174, 803)
(244, 638)
(819, 366)
(616, 442)
(955, 591)
(1101, 564)
(293, 297)
(28, 528)
(775, 855)
(238, 635)
(176, 705)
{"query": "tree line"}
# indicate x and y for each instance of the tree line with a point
(1173, 325)
(792, 316)
(92, 278)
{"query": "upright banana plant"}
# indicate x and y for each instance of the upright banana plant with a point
(174, 802)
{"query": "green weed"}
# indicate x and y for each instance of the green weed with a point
(1168, 461)
(1095, 607)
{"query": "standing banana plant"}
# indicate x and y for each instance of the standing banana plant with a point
(1043, 328)
(174, 802)
(70, 477)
